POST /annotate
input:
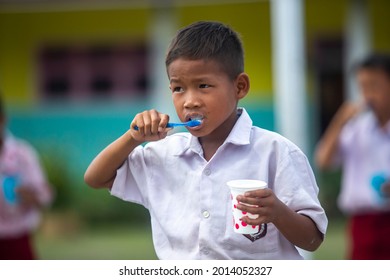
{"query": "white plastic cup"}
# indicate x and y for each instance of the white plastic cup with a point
(239, 187)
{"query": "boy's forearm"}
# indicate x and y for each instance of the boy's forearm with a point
(299, 230)
(328, 146)
(102, 170)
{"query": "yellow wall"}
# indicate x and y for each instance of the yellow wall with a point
(23, 33)
(252, 21)
(324, 18)
(379, 15)
(329, 17)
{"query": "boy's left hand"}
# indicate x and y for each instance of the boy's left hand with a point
(262, 202)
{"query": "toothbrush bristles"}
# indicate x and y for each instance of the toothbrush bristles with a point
(194, 122)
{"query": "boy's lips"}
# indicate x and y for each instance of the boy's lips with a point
(192, 117)
(198, 127)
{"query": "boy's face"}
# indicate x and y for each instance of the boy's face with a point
(375, 87)
(202, 90)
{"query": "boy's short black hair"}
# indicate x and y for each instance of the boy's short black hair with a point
(208, 40)
(376, 61)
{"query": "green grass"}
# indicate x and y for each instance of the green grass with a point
(335, 243)
(69, 240)
(64, 236)
(112, 243)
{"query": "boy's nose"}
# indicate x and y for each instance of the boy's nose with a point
(191, 101)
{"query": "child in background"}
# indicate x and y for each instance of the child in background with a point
(181, 178)
(23, 195)
(359, 138)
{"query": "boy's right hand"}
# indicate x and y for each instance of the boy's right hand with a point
(347, 111)
(151, 126)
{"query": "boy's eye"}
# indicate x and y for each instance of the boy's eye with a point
(204, 86)
(177, 89)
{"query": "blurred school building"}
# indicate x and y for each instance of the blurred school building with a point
(74, 72)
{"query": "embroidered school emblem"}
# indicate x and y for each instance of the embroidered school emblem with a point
(260, 234)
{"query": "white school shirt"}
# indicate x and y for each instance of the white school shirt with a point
(364, 152)
(19, 158)
(189, 201)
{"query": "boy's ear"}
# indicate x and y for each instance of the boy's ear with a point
(243, 85)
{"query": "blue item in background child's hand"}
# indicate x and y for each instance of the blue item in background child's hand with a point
(10, 184)
(377, 181)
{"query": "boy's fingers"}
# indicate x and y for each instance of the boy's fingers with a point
(148, 123)
(164, 130)
(258, 221)
(139, 123)
(252, 194)
(252, 197)
(155, 120)
(250, 206)
(164, 119)
(162, 135)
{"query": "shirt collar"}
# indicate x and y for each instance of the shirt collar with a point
(240, 134)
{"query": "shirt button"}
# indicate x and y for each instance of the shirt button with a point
(207, 172)
(206, 214)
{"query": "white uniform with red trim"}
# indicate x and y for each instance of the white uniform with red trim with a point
(19, 159)
(364, 152)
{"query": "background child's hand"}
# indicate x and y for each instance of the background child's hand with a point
(262, 202)
(348, 110)
(151, 126)
(385, 189)
(28, 197)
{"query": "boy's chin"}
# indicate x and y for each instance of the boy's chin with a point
(197, 133)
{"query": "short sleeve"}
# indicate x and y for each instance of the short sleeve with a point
(295, 185)
(128, 187)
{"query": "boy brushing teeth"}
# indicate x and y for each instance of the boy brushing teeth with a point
(181, 178)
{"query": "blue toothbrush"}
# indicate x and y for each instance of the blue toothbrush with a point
(190, 123)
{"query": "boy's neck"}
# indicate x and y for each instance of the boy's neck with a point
(211, 143)
(209, 149)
